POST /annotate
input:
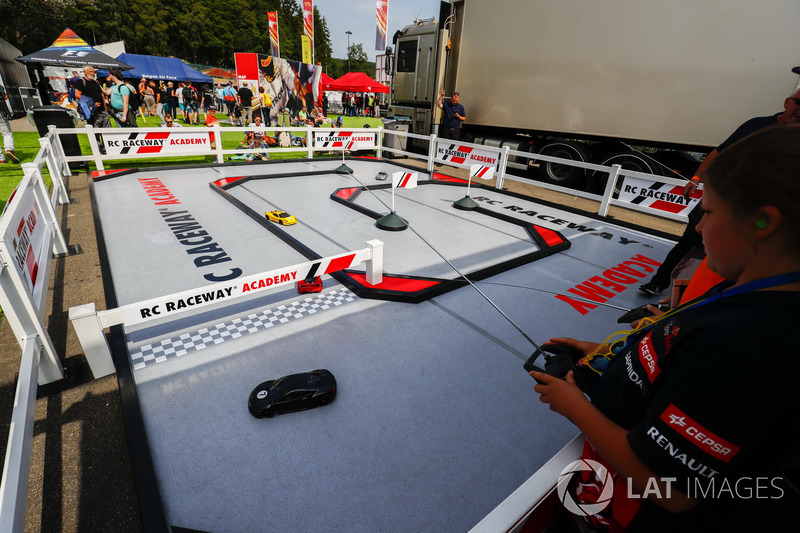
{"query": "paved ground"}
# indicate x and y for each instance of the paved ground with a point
(81, 477)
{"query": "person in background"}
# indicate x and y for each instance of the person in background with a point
(169, 122)
(454, 115)
(162, 96)
(669, 416)
(690, 238)
(211, 121)
(219, 95)
(5, 129)
(207, 99)
(231, 96)
(121, 97)
(149, 95)
(246, 101)
(266, 106)
(190, 102)
(172, 98)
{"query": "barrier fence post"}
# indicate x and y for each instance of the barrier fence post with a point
(218, 143)
(431, 152)
(60, 155)
(90, 333)
(379, 153)
(96, 153)
(49, 215)
(501, 172)
(613, 174)
(14, 486)
(59, 190)
(309, 142)
(374, 265)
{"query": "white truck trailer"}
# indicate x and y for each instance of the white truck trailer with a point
(588, 80)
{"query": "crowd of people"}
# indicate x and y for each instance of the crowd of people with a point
(360, 105)
(118, 99)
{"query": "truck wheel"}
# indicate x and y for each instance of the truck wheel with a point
(628, 161)
(561, 174)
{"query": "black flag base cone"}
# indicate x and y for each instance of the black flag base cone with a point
(344, 169)
(391, 222)
(465, 204)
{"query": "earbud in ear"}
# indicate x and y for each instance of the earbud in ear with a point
(762, 223)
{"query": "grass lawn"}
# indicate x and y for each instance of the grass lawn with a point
(27, 146)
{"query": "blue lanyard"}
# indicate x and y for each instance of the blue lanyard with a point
(765, 283)
(717, 293)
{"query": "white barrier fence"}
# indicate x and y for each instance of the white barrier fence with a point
(29, 239)
(628, 189)
(90, 323)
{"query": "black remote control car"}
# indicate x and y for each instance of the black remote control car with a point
(295, 392)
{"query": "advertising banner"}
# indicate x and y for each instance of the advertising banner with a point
(345, 140)
(307, 46)
(661, 196)
(26, 234)
(382, 18)
(308, 30)
(221, 292)
(454, 153)
(172, 142)
(274, 42)
(290, 84)
(247, 70)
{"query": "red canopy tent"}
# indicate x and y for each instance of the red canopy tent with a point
(357, 82)
(324, 82)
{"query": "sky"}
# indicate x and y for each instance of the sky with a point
(358, 16)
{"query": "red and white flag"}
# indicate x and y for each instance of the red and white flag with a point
(407, 180)
(382, 20)
(274, 43)
(308, 20)
(481, 171)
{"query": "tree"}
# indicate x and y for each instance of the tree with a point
(322, 39)
(200, 31)
(359, 61)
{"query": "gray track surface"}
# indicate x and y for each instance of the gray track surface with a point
(435, 421)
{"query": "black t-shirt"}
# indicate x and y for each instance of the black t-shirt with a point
(91, 89)
(751, 126)
(246, 96)
(710, 397)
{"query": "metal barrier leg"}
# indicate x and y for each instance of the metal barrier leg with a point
(14, 487)
(374, 265)
(613, 175)
(93, 341)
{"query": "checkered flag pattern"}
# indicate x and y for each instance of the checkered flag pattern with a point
(150, 354)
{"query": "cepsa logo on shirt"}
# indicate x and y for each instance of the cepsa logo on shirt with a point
(698, 435)
(647, 357)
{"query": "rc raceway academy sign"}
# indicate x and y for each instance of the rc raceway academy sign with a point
(156, 142)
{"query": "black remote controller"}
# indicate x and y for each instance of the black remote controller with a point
(562, 361)
(640, 312)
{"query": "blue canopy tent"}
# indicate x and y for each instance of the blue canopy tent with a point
(160, 68)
